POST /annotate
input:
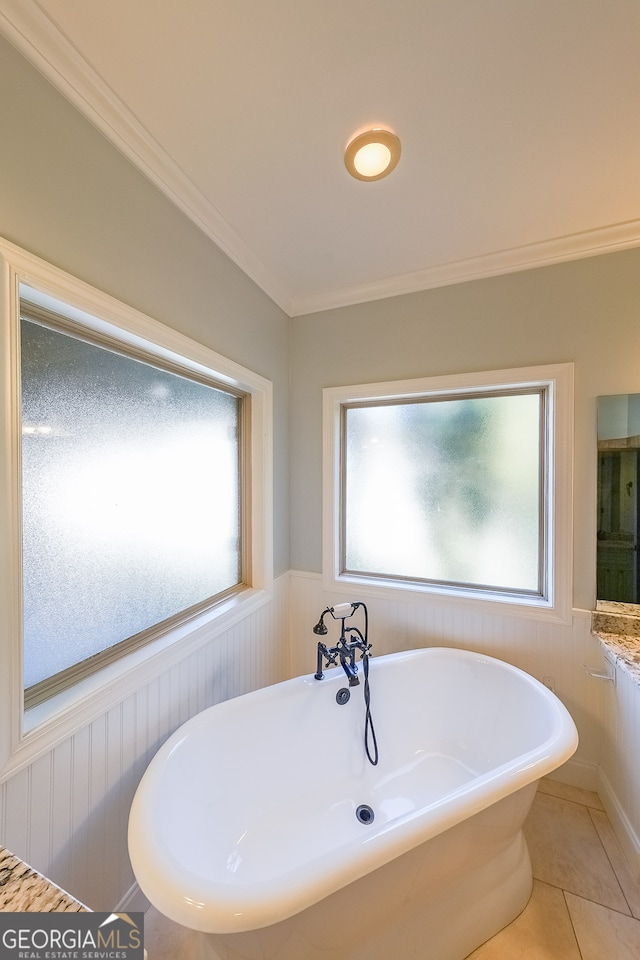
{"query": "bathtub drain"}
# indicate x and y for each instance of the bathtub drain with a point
(364, 813)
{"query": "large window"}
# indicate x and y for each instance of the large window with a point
(131, 498)
(135, 501)
(453, 486)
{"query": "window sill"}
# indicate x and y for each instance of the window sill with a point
(473, 600)
(48, 724)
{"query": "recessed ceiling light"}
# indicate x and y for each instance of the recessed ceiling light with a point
(372, 155)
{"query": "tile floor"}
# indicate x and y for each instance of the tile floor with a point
(585, 903)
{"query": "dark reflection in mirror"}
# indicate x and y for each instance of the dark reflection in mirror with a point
(618, 569)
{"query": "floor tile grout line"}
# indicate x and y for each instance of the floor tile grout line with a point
(609, 860)
(581, 896)
(573, 927)
(578, 803)
(597, 903)
(613, 867)
(561, 795)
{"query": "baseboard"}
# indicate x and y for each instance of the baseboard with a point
(629, 839)
(134, 901)
(578, 773)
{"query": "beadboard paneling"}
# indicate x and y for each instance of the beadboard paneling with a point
(553, 653)
(66, 814)
(619, 774)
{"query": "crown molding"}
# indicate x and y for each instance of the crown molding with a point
(31, 31)
(590, 243)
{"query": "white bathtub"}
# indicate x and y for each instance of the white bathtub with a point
(244, 826)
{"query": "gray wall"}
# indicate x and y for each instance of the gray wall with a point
(587, 312)
(68, 196)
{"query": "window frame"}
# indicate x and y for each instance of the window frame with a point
(556, 380)
(26, 733)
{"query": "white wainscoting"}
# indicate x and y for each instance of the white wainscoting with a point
(554, 653)
(619, 767)
(607, 715)
(66, 814)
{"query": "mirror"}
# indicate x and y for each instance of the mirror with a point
(618, 567)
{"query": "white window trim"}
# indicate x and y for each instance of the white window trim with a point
(25, 735)
(558, 379)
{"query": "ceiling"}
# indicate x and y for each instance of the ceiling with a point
(519, 122)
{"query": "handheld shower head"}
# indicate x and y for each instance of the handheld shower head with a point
(320, 628)
(340, 611)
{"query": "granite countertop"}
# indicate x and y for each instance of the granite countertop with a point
(24, 889)
(617, 626)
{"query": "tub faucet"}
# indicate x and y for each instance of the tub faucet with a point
(351, 640)
(347, 662)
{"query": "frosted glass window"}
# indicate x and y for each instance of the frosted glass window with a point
(446, 490)
(130, 497)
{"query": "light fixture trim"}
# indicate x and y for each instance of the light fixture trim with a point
(377, 135)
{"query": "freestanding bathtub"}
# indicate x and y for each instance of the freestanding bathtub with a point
(248, 825)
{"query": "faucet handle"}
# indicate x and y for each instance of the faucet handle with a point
(341, 611)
